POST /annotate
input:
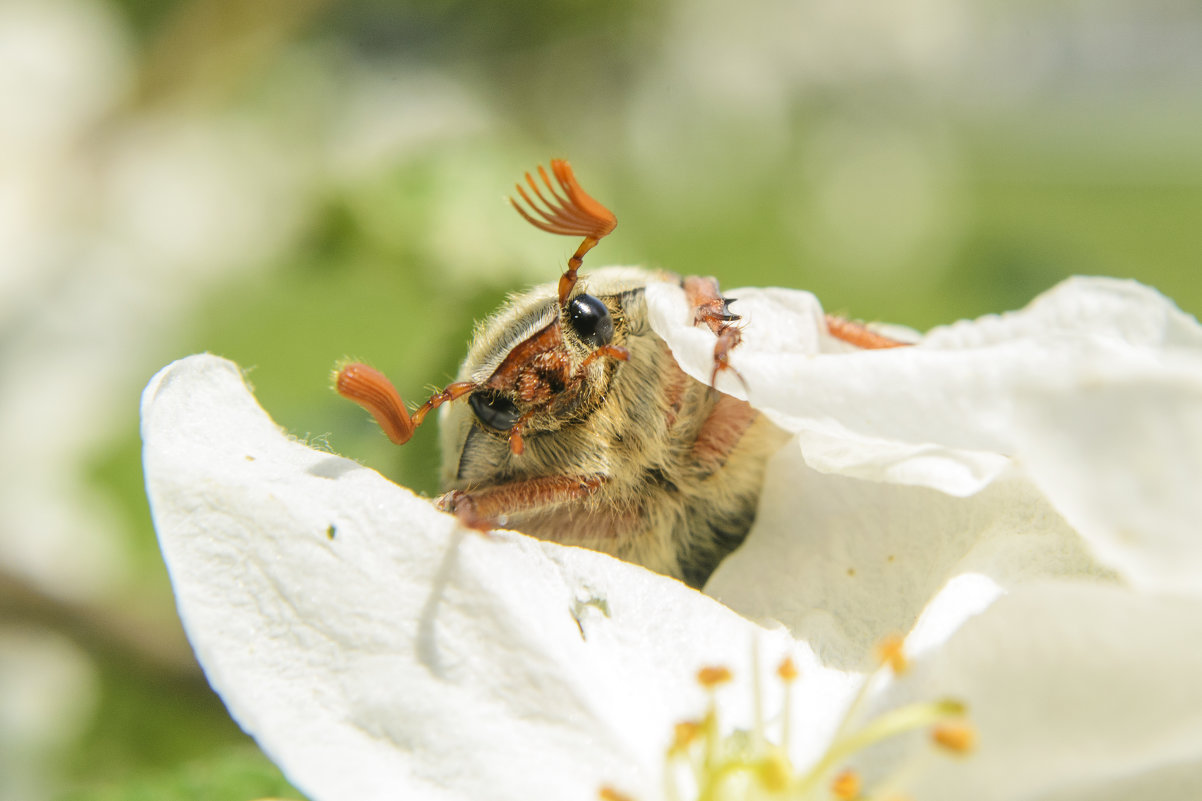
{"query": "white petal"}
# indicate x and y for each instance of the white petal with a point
(1119, 311)
(377, 651)
(1077, 692)
(940, 414)
(1118, 450)
(844, 562)
(963, 597)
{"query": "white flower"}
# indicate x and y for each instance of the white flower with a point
(1018, 493)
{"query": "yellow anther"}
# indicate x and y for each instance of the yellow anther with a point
(890, 653)
(787, 670)
(957, 736)
(685, 734)
(608, 793)
(846, 785)
(711, 677)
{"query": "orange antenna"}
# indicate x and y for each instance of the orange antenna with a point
(572, 213)
(369, 388)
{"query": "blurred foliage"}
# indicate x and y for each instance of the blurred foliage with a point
(892, 194)
(232, 773)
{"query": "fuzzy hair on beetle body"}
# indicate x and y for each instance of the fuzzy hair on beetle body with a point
(570, 420)
(665, 502)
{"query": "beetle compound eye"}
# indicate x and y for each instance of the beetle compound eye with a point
(495, 411)
(591, 320)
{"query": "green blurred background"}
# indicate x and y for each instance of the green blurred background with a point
(287, 182)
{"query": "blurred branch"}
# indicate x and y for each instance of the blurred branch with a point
(114, 635)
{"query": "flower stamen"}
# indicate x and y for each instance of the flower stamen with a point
(711, 677)
(684, 735)
(846, 786)
(890, 653)
(747, 765)
(787, 671)
(956, 736)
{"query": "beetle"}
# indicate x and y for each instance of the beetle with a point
(578, 426)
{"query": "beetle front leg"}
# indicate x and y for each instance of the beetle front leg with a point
(709, 306)
(711, 309)
(488, 508)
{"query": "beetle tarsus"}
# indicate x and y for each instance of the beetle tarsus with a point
(463, 506)
(712, 309)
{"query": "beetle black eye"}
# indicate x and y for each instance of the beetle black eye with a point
(495, 411)
(591, 320)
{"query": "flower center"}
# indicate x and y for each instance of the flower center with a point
(706, 765)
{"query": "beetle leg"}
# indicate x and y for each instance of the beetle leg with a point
(487, 508)
(859, 334)
(709, 306)
(713, 310)
(728, 339)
